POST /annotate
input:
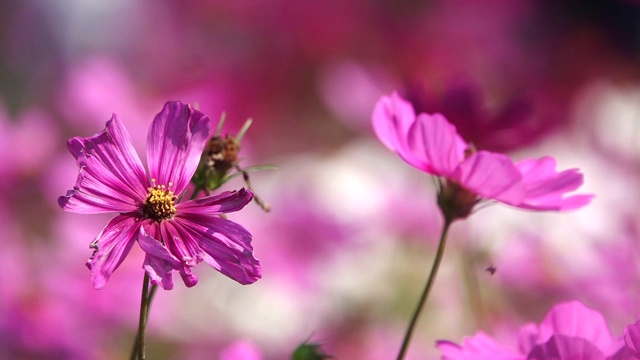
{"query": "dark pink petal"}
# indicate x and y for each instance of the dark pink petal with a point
(548, 189)
(112, 245)
(478, 347)
(624, 353)
(179, 242)
(226, 245)
(573, 319)
(158, 262)
(190, 279)
(111, 177)
(160, 271)
(632, 338)
(174, 144)
(491, 175)
(433, 145)
(392, 117)
(226, 202)
(562, 347)
(527, 337)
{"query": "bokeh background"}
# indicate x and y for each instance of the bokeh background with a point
(351, 236)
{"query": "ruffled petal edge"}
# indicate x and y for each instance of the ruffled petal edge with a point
(111, 247)
(111, 177)
(226, 246)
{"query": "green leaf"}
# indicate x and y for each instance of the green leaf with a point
(309, 351)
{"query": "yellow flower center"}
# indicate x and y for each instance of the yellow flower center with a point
(160, 203)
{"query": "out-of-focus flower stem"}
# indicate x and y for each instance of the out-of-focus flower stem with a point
(427, 289)
(472, 287)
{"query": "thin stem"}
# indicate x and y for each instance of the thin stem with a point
(145, 300)
(425, 292)
(144, 315)
(259, 201)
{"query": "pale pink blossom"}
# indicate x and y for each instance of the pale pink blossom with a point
(569, 331)
(431, 144)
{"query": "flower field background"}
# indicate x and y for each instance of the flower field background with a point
(353, 229)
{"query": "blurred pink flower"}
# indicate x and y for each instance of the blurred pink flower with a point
(36, 323)
(569, 331)
(174, 236)
(27, 141)
(430, 143)
(241, 350)
(514, 123)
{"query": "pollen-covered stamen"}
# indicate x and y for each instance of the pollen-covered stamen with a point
(160, 203)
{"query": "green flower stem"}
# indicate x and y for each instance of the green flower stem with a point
(152, 292)
(145, 300)
(425, 292)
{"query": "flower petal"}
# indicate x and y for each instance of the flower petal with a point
(624, 353)
(428, 142)
(492, 176)
(112, 245)
(632, 338)
(158, 262)
(174, 144)
(527, 337)
(478, 347)
(226, 202)
(226, 245)
(576, 320)
(562, 347)
(392, 117)
(179, 242)
(433, 145)
(111, 177)
(546, 188)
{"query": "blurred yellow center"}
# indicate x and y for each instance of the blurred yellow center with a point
(160, 203)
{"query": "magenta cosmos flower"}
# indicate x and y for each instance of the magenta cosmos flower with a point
(431, 144)
(174, 236)
(570, 331)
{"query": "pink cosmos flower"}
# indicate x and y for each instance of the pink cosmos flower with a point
(431, 144)
(175, 236)
(569, 331)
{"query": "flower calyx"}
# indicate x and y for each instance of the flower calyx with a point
(455, 202)
(219, 163)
